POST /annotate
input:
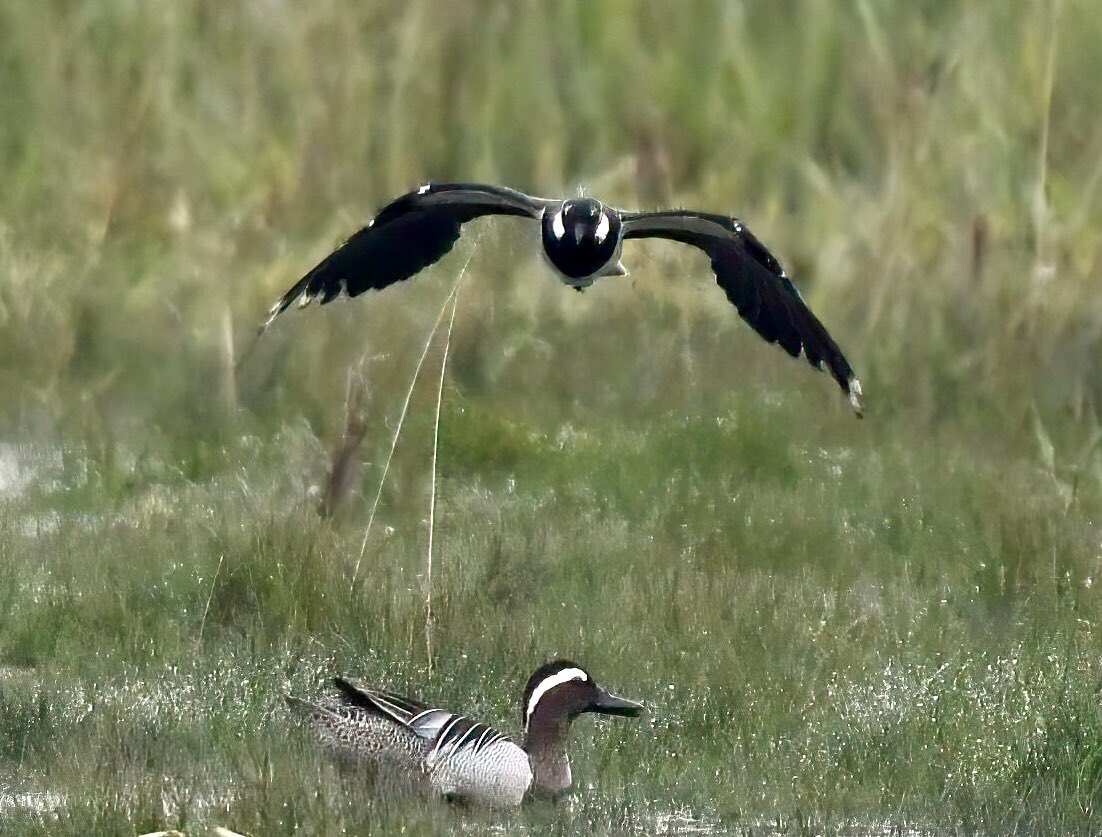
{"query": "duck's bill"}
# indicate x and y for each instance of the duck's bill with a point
(610, 704)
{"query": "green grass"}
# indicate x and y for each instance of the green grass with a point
(837, 626)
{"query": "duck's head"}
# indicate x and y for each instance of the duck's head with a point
(561, 690)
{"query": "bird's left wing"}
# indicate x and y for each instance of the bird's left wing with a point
(755, 283)
(407, 235)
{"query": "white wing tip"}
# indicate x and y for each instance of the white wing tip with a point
(854, 390)
(273, 312)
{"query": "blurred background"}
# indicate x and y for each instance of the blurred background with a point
(628, 475)
(928, 173)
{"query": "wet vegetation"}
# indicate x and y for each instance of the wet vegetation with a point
(837, 626)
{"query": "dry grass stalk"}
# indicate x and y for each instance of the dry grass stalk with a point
(405, 410)
(229, 364)
(342, 470)
(435, 459)
(979, 246)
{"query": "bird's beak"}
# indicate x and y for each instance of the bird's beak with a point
(610, 704)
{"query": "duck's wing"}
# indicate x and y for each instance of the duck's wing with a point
(357, 736)
(448, 732)
(398, 708)
(409, 234)
(453, 735)
(755, 283)
(464, 759)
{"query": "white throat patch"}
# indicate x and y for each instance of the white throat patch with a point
(550, 682)
(557, 227)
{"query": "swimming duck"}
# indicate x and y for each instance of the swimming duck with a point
(458, 757)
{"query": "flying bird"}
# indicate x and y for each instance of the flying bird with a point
(583, 240)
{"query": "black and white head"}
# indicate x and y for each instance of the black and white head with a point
(581, 238)
(560, 691)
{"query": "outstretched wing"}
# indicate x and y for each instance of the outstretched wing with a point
(407, 235)
(755, 283)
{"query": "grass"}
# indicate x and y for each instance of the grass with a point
(837, 626)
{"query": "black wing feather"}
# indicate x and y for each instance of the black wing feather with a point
(463, 734)
(388, 704)
(409, 234)
(756, 285)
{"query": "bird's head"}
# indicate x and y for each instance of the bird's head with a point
(581, 236)
(560, 691)
(581, 220)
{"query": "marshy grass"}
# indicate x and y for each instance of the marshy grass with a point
(837, 626)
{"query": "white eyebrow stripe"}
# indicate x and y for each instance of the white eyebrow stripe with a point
(557, 226)
(602, 228)
(550, 682)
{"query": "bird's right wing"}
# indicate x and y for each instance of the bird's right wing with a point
(409, 234)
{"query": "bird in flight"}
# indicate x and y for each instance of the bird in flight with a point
(583, 239)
